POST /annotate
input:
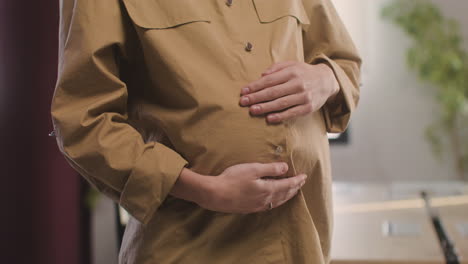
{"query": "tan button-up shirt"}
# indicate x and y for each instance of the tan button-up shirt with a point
(146, 87)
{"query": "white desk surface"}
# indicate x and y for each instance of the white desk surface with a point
(361, 211)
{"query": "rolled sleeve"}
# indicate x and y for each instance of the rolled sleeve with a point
(90, 117)
(145, 190)
(327, 41)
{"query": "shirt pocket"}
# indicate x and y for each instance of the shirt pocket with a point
(269, 11)
(165, 14)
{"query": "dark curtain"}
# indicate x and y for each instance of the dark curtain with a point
(39, 193)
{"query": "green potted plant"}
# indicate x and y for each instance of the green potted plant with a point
(437, 56)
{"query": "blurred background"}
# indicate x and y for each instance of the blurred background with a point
(409, 135)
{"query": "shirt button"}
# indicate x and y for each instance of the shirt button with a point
(248, 46)
(279, 150)
(228, 2)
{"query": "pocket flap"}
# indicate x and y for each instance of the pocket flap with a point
(271, 10)
(160, 14)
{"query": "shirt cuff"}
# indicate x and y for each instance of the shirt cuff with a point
(151, 180)
(337, 112)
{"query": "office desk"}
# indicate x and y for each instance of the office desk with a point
(371, 226)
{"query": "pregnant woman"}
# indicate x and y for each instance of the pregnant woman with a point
(206, 120)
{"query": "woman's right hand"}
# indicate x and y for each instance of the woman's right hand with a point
(240, 188)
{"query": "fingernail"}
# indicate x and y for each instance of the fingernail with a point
(245, 90)
(273, 117)
(245, 100)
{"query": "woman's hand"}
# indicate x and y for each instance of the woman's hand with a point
(240, 188)
(289, 89)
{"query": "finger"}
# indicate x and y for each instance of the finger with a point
(279, 104)
(278, 66)
(286, 192)
(290, 195)
(290, 113)
(273, 92)
(285, 184)
(280, 197)
(268, 81)
(286, 195)
(274, 169)
(294, 187)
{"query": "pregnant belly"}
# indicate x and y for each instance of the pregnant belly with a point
(225, 138)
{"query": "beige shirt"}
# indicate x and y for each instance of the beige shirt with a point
(146, 87)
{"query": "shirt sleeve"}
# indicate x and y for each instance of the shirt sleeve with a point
(89, 112)
(326, 40)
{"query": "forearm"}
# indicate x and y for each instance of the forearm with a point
(192, 186)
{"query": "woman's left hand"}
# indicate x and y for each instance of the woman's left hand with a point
(289, 89)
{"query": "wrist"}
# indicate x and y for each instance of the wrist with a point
(193, 187)
(334, 93)
(333, 83)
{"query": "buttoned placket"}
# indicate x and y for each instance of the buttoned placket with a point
(279, 149)
(248, 46)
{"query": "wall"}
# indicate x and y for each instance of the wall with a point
(387, 130)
